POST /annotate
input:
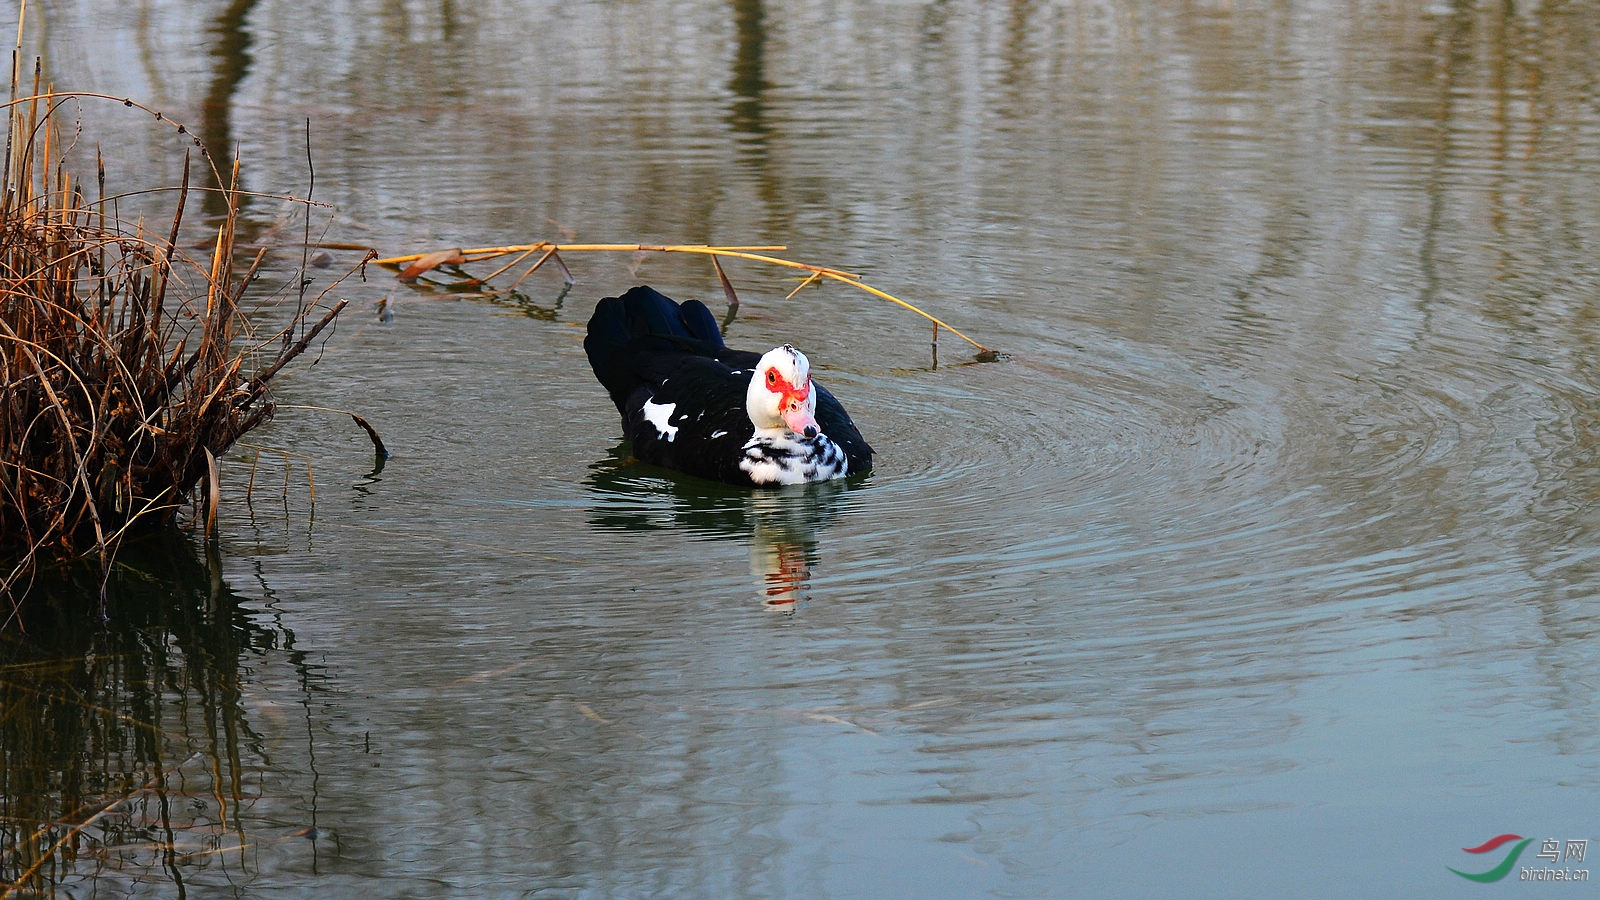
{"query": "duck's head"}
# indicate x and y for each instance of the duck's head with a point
(781, 395)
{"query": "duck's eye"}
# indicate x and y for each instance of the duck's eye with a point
(772, 377)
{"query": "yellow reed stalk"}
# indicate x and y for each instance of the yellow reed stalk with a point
(753, 253)
(810, 279)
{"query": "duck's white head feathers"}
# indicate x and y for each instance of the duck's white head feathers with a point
(780, 398)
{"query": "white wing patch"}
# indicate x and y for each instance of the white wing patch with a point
(659, 415)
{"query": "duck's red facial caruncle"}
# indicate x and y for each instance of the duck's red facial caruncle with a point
(795, 404)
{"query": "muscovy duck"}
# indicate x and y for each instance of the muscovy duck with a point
(690, 403)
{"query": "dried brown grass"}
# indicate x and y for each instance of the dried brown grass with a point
(126, 365)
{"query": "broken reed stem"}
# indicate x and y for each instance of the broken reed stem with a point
(728, 292)
(422, 262)
(288, 470)
(810, 280)
(372, 433)
(520, 258)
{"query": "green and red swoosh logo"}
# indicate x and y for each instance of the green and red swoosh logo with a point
(1494, 843)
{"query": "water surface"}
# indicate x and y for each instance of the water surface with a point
(1263, 564)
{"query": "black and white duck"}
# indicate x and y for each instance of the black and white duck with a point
(690, 403)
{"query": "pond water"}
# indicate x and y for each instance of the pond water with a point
(1264, 563)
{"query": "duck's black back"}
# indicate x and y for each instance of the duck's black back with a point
(633, 338)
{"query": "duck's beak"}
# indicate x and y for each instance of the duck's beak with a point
(797, 411)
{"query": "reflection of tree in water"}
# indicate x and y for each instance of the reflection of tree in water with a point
(127, 753)
(781, 525)
(231, 53)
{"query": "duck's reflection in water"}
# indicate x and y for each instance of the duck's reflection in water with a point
(783, 541)
(779, 525)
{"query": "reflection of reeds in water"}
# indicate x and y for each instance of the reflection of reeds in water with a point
(125, 750)
(122, 359)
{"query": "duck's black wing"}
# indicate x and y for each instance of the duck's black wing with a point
(692, 418)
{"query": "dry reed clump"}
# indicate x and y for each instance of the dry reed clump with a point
(122, 358)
